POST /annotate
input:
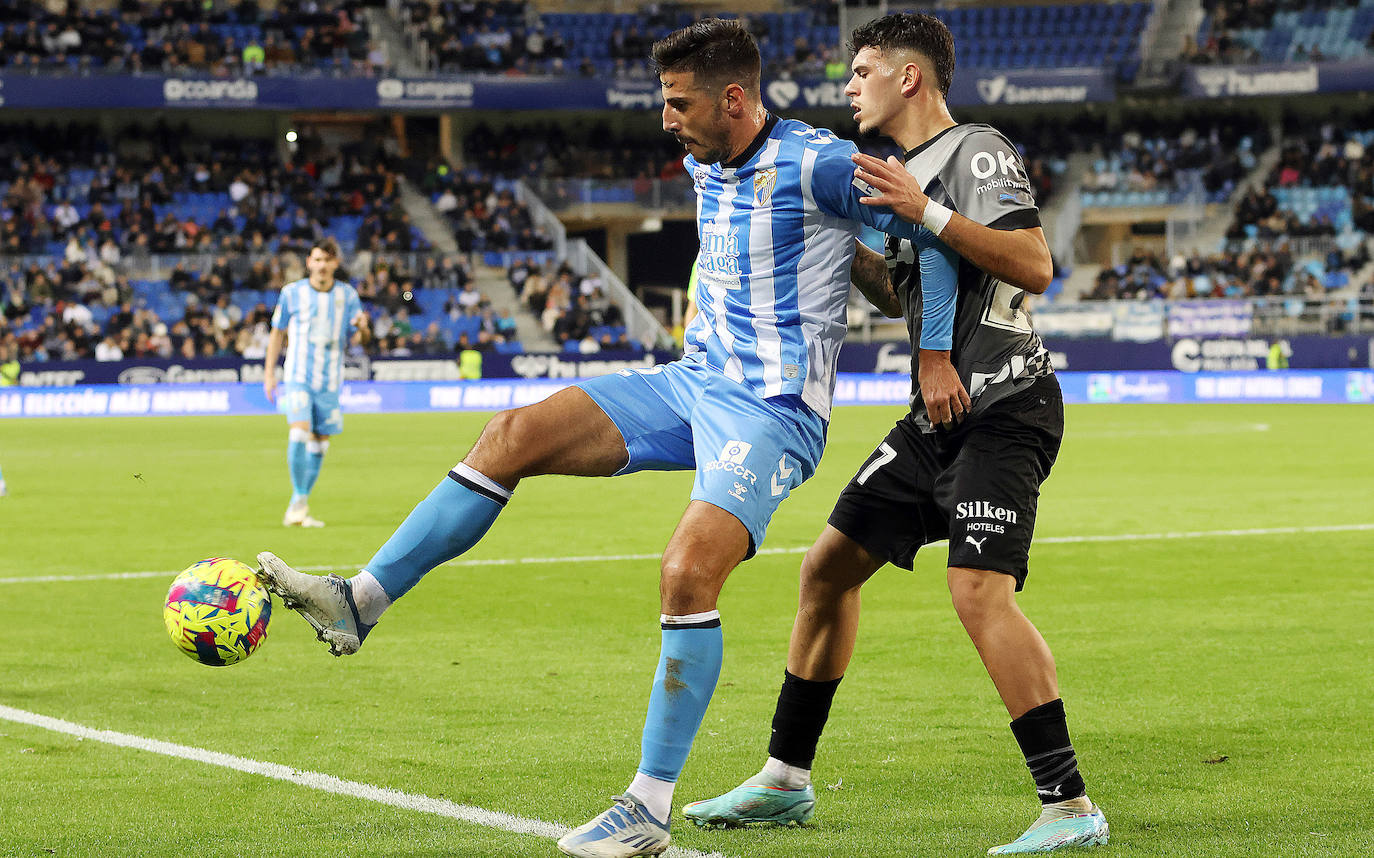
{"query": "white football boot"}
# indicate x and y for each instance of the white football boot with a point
(326, 602)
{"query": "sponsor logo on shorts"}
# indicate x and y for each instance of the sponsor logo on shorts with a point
(738, 492)
(976, 543)
(731, 460)
(988, 515)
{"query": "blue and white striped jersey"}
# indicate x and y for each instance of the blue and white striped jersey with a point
(777, 232)
(318, 327)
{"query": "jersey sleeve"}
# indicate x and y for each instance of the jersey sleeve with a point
(837, 192)
(281, 316)
(939, 287)
(987, 183)
(355, 306)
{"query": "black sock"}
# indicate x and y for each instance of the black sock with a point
(803, 707)
(1043, 734)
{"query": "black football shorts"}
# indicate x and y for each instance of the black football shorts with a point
(976, 485)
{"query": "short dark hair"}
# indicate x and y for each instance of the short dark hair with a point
(329, 246)
(717, 52)
(912, 31)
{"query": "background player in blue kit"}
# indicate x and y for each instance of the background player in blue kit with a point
(315, 319)
(778, 215)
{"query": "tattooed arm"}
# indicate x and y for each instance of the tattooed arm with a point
(868, 272)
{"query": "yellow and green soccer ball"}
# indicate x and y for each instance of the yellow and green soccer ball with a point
(217, 612)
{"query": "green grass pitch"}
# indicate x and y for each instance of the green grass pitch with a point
(1219, 687)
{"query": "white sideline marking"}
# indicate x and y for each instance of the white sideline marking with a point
(610, 558)
(316, 780)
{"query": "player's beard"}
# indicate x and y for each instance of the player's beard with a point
(716, 141)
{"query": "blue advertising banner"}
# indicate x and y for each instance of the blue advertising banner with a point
(291, 93)
(1284, 79)
(1011, 87)
(207, 370)
(454, 92)
(491, 395)
(1186, 354)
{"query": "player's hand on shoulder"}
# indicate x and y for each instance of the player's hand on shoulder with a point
(946, 400)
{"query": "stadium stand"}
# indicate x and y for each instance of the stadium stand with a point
(1275, 31)
(511, 38)
(1163, 162)
(187, 37)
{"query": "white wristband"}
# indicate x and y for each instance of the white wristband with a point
(936, 217)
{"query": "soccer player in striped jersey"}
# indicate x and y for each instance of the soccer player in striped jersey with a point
(965, 464)
(315, 319)
(747, 406)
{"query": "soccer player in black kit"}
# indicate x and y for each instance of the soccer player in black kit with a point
(965, 464)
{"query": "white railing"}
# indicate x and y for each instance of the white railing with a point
(641, 326)
(543, 217)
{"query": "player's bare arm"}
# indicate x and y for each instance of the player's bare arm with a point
(363, 324)
(275, 343)
(868, 272)
(1020, 257)
(947, 402)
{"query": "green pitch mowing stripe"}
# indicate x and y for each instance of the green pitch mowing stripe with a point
(316, 780)
(610, 558)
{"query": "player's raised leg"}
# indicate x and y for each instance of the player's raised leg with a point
(707, 545)
(823, 635)
(1022, 668)
(565, 434)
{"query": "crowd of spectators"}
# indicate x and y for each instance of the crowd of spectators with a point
(166, 189)
(1177, 155)
(1252, 273)
(573, 309)
(185, 36)
(483, 217)
(1222, 40)
(510, 37)
(574, 149)
(76, 309)
(1331, 155)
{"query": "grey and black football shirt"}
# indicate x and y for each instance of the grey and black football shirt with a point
(973, 170)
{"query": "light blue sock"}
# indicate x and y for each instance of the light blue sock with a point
(688, 666)
(314, 459)
(298, 461)
(441, 527)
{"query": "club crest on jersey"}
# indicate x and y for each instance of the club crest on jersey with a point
(699, 180)
(764, 183)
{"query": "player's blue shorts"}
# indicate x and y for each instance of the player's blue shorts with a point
(319, 408)
(748, 452)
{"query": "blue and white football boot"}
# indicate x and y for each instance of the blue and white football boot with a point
(1064, 825)
(624, 831)
(326, 602)
(749, 803)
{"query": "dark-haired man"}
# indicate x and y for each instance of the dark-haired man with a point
(747, 406)
(965, 464)
(314, 320)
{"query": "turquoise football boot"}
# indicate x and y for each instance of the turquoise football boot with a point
(750, 803)
(1059, 827)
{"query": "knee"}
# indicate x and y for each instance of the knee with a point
(819, 586)
(505, 448)
(979, 597)
(687, 584)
